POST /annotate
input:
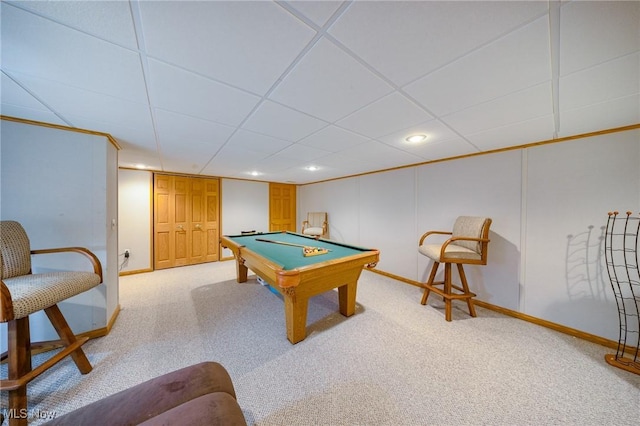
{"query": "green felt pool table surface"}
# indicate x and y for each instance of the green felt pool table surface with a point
(291, 257)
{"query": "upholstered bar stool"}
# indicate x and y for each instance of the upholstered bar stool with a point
(24, 293)
(467, 245)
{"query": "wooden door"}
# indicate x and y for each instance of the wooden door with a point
(181, 203)
(204, 220)
(282, 207)
(196, 225)
(212, 219)
(186, 216)
(163, 228)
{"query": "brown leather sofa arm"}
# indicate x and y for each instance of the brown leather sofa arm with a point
(201, 394)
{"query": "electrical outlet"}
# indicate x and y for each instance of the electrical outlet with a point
(127, 253)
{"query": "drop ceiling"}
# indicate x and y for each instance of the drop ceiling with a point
(230, 88)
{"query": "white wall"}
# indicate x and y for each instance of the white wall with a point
(342, 196)
(136, 220)
(570, 188)
(548, 204)
(245, 207)
(487, 186)
(62, 187)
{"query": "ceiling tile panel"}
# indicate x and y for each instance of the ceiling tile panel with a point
(31, 45)
(520, 106)
(16, 95)
(435, 150)
(234, 161)
(329, 84)
(188, 138)
(346, 164)
(592, 32)
(71, 101)
(246, 44)
(514, 62)
(281, 122)
(19, 111)
(333, 139)
(139, 137)
(385, 116)
(273, 165)
(300, 176)
(535, 130)
(244, 139)
(408, 39)
(600, 83)
(132, 156)
(605, 115)
(379, 155)
(301, 153)
(177, 90)
(109, 20)
(181, 165)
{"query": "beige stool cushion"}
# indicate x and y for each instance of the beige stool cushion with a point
(35, 292)
(313, 231)
(452, 251)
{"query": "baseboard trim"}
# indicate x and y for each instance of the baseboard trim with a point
(136, 271)
(534, 320)
(101, 332)
(49, 345)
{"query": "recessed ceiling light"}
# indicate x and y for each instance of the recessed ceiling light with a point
(416, 138)
(141, 166)
(313, 168)
(255, 173)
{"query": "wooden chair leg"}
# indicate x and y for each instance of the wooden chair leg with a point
(465, 286)
(67, 336)
(432, 276)
(19, 364)
(447, 291)
(20, 370)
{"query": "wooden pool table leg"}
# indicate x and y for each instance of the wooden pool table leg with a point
(241, 271)
(347, 298)
(295, 315)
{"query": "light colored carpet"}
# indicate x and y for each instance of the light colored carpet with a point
(395, 362)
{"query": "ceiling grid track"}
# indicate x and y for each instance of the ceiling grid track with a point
(246, 89)
(320, 32)
(554, 39)
(142, 52)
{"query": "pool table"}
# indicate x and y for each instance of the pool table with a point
(282, 264)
